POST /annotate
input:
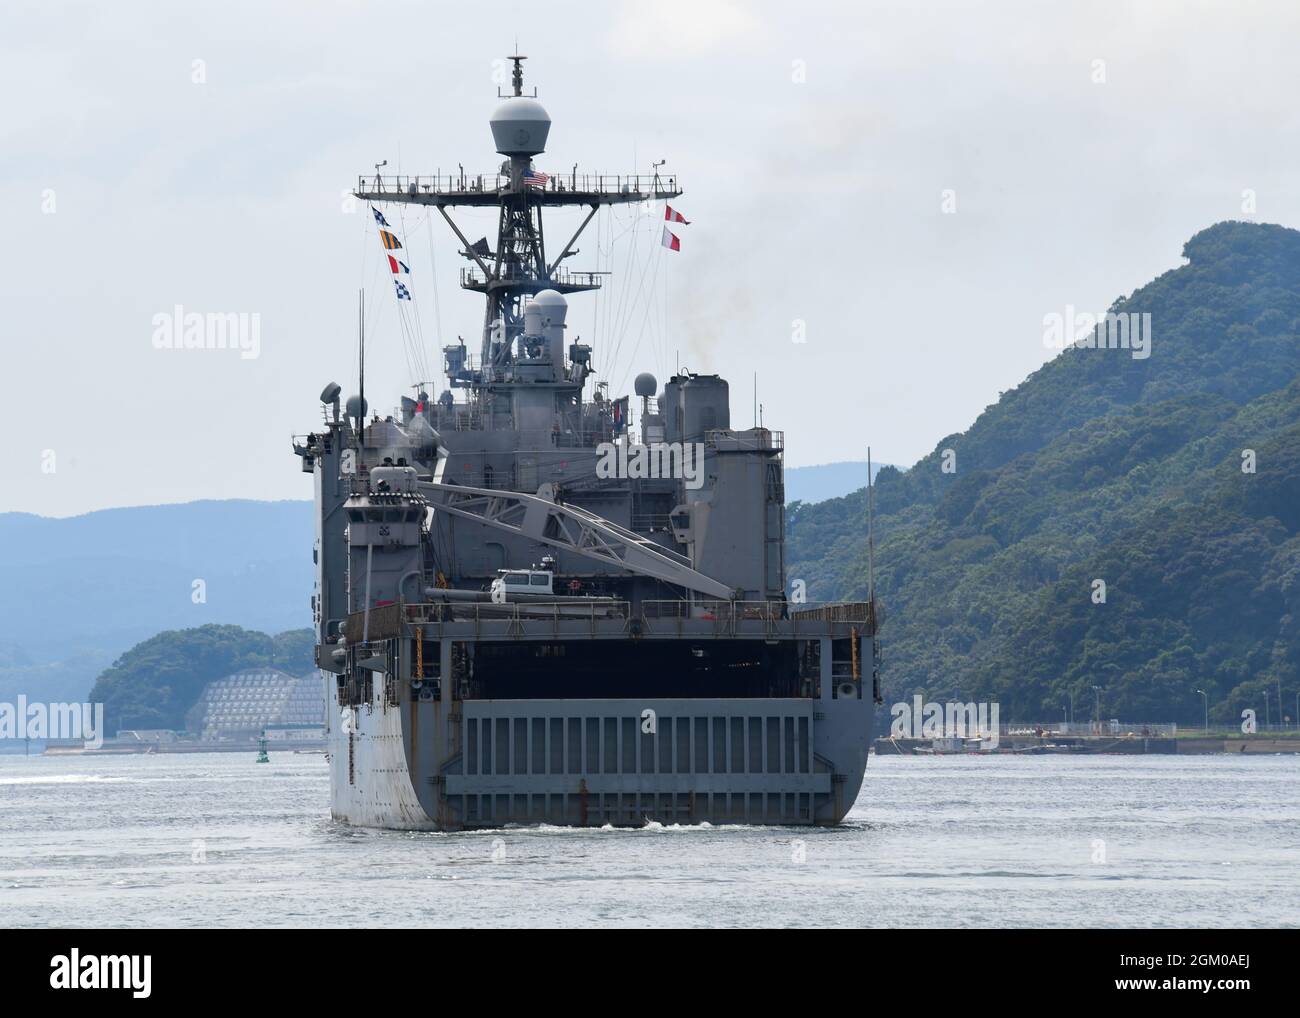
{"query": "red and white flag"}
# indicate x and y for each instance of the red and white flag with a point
(671, 241)
(671, 215)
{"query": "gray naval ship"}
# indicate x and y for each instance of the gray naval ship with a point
(529, 611)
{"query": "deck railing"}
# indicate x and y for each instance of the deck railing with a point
(516, 611)
(734, 616)
(716, 618)
(471, 279)
(754, 438)
(651, 185)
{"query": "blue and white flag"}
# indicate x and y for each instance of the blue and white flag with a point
(379, 217)
(402, 292)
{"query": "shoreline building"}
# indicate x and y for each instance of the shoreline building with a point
(240, 707)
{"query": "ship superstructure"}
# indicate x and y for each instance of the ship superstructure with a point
(528, 611)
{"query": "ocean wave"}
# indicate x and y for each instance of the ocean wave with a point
(61, 779)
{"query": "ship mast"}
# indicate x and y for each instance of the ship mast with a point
(509, 273)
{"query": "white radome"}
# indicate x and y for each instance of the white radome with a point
(520, 126)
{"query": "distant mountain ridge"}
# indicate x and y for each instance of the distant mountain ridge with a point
(1101, 466)
(82, 590)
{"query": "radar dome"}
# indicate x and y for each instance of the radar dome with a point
(520, 126)
(547, 309)
(550, 299)
(356, 408)
(645, 384)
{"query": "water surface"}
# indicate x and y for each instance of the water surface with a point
(218, 840)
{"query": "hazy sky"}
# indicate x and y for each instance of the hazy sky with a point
(1083, 144)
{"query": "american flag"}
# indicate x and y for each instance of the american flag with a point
(536, 178)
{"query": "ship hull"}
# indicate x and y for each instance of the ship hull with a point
(405, 760)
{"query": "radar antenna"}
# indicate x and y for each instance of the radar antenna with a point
(517, 75)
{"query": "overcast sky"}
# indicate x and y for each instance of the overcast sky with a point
(163, 154)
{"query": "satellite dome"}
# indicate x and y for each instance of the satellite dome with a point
(550, 308)
(356, 408)
(550, 299)
(645, 384)
(520, 126)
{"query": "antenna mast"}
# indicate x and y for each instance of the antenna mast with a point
(871, 583)
(514, 270)
(517, 78)
(871, 544)
(361, 357)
